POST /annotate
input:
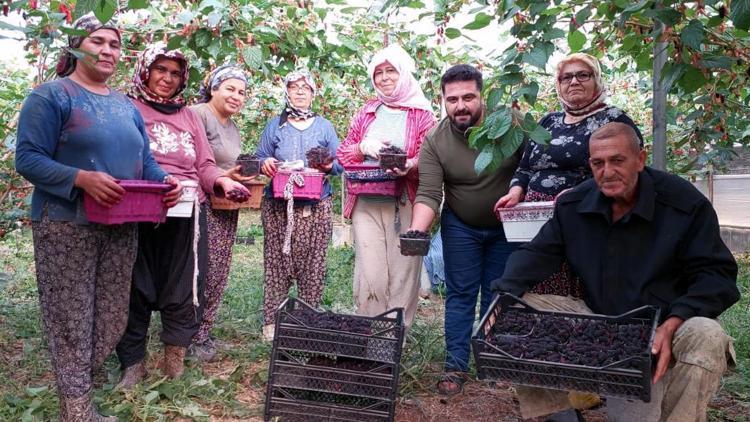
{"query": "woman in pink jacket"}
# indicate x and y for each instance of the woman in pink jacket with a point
(400, 116)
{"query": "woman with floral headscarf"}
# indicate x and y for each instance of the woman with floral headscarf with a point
(547, 170)
(222, 96)
(169, 271)
(76, 135)
(287, 138)
(400, 116)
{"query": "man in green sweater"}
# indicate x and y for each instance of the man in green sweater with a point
(474, 244)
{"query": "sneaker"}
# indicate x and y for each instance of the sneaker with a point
(268, 332)
(204, 352)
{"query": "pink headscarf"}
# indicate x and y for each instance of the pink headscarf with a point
(407, 93)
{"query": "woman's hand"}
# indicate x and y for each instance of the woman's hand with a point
(173, 195)
(269, 166)
(410, 164)
(227, 185)
(372, 147)
(511, 199)
(235, 173)
(99, 185)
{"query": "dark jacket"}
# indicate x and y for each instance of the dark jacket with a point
(665, 252)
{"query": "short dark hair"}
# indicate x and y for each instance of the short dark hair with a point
(459, 73)
(613, 129)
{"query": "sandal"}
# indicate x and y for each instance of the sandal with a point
(451, 383)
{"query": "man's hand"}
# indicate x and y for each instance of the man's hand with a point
(173, 195)
(99, 185)
(511, 199)
(269, 166)
(662, 347)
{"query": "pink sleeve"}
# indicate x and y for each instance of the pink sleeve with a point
(205, 163)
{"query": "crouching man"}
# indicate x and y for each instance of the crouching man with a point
(637, 236)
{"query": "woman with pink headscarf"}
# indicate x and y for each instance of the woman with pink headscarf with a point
(400, 116)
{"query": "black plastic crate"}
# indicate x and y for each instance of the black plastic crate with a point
(629, 377)
(327, 374)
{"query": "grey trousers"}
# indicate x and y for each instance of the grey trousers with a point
(701, 351)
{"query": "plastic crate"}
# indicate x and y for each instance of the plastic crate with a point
(256, 195)
(310, 190)
(186, 204)
(414, 247)
(522, 222)
(249, 166)
(345, 374)
(364, 179)
(629, 377)
(142, 202)
(389, 161)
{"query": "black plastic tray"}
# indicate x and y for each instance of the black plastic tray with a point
(618, 379)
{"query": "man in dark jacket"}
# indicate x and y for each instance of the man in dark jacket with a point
(637, 236)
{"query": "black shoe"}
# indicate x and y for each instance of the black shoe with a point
(570, 415)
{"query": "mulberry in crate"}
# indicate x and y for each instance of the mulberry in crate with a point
(331, 321)
(318, 157)
(249, 163)
(414, 243)
(392, 157)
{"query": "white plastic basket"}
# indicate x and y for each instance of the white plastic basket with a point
(184, 208)
(522, 222)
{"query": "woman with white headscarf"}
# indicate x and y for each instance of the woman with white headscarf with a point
(286, 138)
(399, 116)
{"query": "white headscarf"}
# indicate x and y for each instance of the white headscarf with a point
(407, 92)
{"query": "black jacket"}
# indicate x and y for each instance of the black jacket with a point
(665, 252)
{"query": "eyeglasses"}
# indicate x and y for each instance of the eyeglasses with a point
(300, 87)
(582, 76)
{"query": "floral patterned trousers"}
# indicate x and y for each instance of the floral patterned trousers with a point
(83, 276)
(307, 261)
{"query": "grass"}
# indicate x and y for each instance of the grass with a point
(233, 388)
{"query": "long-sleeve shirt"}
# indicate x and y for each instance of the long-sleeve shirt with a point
(64, 128)
(564, 163)
(285, 142)
(178, 143)
(665, 252)
(446, 163)
(418, 123)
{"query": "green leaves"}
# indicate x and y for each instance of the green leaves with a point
(103, 9)
(253, 57)
(540, 135)
(576, 40)
(498, 123)
(692, 35)
(137, 4)
(480, 21)
(740, 14)
(539, 55)
(452, 33)
(484, 158)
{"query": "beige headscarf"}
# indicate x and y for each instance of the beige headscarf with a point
(576, 113)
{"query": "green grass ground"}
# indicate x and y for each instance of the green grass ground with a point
(233, 388)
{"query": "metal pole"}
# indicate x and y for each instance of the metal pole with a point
(659, 103)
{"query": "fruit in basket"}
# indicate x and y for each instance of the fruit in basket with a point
(318, 157)
(331, 321)
(416, 234)
(249, 163)
(392, 157)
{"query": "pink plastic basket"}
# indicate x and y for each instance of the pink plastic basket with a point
(392, 188)
(311, 190)
(142, 201)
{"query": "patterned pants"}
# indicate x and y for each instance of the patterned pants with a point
(307, 262)
(222, 231)
(83, 276)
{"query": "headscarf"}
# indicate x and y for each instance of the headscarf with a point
(580, 112)
(290, 109)
(140, 78)
(216, 77)
(407, 92)
(66, 64)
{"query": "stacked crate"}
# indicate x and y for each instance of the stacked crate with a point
(326, 366)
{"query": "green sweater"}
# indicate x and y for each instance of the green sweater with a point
(447, 163)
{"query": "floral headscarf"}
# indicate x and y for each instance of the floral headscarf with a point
(290, 109)
(580, 112)
(66, 64)
(216, 77)
(140, 78)
(407, 92)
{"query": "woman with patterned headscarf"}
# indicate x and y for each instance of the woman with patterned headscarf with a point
(169, 271)
(400, 116)
(76, 135)
(222, 96)
(287, 138)
(547, 170)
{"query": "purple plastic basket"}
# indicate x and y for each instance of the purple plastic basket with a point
(142, 202)
(311, 190)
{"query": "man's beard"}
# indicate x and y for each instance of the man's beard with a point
(465, 125)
